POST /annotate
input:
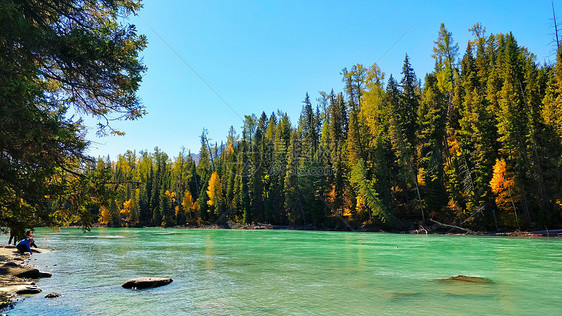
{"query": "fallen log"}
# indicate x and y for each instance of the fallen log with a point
(547, 233)
(469, 231)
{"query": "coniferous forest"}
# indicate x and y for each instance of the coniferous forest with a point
(476, 143)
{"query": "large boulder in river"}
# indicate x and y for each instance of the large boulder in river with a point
(146, 283)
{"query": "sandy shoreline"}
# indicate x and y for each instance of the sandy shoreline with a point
(17, 277)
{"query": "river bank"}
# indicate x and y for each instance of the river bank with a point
(17, 276)
(436, 228)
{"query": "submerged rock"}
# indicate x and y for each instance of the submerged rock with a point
(471, 279)
(146, 283)
(52, 295)
(400, 295)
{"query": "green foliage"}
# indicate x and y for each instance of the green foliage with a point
(366, 192)
(431, 134)
(445, 53)
(57, 55)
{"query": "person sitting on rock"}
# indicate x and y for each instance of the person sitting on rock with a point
(25, 244)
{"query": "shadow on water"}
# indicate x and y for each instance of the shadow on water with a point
(397, 296)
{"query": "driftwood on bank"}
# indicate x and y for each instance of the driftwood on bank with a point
(468, 231)
(536, 233)
(548, 233)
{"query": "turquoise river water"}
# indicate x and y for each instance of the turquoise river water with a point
(244, 272)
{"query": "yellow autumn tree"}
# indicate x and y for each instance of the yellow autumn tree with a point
(187, 201)
(127, 206)
(230, 149)
(214, 191)
(105, 216)
(126, 211)
(171, 195)
(504, 187)
(421, 177)
(183, 214)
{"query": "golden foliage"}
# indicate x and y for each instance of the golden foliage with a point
(421, 177)
(127, 206)
(360, 203)
(171, 195)
(504, 187)
(214, 191)
(332, 194)
(187, 201)
(105, 217)
(454, 146)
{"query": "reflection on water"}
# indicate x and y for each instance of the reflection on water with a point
(228, 272)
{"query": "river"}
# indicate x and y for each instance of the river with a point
(245, 272)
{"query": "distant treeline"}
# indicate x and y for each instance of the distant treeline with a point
(477, 144)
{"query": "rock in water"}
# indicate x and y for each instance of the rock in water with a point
(146, 283)
(32, 274)
(44, 274)
(52, 295)
(22, 271)
(23, 289)
(471, 279)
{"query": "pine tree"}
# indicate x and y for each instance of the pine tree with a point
(293, 198)
(279, 168)
(445, 53)
(272, 192)
(431, 121)
(204, 164)
(338, 134)
(405, 179)
(375, 127)
(512, 126)
(256, 171)
(407, 110)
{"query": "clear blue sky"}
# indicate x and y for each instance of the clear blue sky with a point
(265, 55)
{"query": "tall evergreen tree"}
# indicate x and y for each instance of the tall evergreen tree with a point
(431, 121)
(407, 109)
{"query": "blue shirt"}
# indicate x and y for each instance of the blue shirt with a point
(25, 242)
